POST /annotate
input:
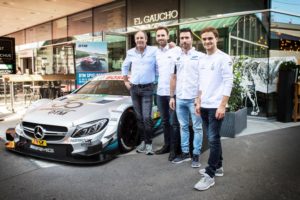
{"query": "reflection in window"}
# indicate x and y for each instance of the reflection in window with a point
(252, 37)
(80, 25)
(60, 30)
(63, 59)
(116, 45)
(110, 18)
(19, 37)
(223, 25)
(40, 33)
(110, 87)
(291, 6)
(44, 61)
(285, 42)
(189, 9)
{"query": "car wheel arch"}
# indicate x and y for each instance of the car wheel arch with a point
(127, 131)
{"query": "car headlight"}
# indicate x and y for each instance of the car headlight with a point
(89, 128)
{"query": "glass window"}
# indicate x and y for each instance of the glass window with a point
(19, 37)
(40, 33)
(198, 8)
(110, 87)
(110, 18)
(44, 61)
(223, 25)
(291, 6)
(116, 45)
(63, 59)
(80, 25)
(285, 46)
(60, 30)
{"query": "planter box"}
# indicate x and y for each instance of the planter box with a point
(234, 123)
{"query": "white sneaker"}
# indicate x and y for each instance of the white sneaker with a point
(205, 182)
(219, 172)
(141, 148)
(149, 150)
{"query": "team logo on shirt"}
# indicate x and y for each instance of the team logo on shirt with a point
(194, 58)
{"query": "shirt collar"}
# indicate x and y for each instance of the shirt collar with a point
(143, 51)
(164, 49)
(189, 51)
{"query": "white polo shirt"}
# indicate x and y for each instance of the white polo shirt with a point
(165, 65)
(187, 75)
(216, 78)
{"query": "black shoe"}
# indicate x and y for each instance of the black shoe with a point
(163, 150)
(184, 157)
(172, 156)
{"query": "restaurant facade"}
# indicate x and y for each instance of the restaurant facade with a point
(259, 33)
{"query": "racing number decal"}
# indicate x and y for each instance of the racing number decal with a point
(64, 108)
(69, 104)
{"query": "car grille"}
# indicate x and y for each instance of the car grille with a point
(51, 133)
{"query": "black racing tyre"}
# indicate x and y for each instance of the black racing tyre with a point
(127, 131)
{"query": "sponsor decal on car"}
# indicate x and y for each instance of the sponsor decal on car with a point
(41, 149)
(63, 108)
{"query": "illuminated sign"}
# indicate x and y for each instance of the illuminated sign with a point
(157, 17)
(7, 55)
(6, 49)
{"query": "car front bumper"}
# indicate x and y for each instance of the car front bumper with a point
(58, 152)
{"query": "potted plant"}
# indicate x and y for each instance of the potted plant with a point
(285, 90)
(236, 114)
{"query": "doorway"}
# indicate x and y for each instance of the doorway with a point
(26, 65)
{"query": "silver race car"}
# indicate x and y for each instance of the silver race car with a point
(90, 125)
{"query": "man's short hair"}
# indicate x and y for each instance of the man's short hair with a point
(145, 34)
(210, 29)
(163, 28)
(183, 30)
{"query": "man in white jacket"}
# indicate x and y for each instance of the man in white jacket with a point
(215, 84)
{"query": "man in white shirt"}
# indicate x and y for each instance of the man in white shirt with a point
(185, 79)
(215, 84)
(165, 65)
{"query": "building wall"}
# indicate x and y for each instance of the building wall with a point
(258, 34)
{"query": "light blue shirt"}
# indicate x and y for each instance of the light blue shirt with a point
(143, 65)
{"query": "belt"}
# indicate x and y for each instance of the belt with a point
(142, 85)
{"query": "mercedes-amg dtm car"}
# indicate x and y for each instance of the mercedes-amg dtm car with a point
(90, 125)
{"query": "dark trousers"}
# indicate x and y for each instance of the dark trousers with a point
(142, 98)
(170, 122)
(212, 126)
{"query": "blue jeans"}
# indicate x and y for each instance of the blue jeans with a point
(142, 98)
(186, 108)
(169, 121)
(213, 126)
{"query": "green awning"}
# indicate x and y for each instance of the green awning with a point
(216, 23)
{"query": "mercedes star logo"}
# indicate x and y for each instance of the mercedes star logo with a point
(39, 132)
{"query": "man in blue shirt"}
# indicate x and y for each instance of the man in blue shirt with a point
(142, 61)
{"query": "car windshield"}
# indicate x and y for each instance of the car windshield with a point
(110, 87)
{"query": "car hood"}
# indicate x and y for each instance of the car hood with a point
(75, 109)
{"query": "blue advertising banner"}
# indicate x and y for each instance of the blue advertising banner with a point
(91, 60)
